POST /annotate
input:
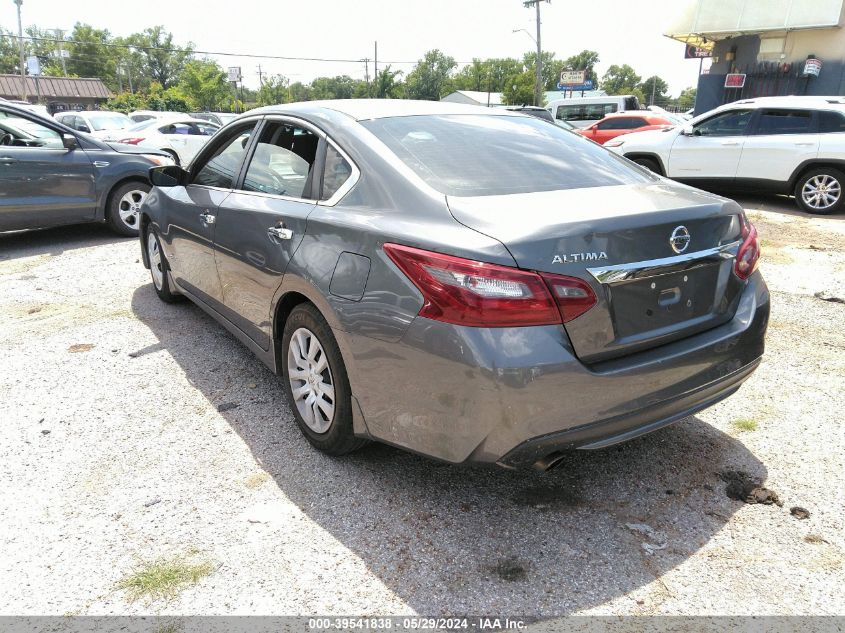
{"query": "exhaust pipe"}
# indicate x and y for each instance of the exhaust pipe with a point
(549, 462)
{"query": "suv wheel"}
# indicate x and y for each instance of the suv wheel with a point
(125, 206)
(820, 191)
(648, 163)
(315, 382)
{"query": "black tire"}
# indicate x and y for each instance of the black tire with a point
(833, 182)
(123, 212)
(648, 163)
(338, 438)
(159, 269)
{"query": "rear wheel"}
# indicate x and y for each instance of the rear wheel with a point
(315, 382)
(820, 191)
(648, 163)
(125, 206)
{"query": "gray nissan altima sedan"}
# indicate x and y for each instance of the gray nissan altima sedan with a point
(471, 284)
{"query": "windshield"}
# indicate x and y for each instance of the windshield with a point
(110, 121)
(483, 155)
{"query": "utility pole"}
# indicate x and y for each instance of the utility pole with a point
(23, 61)
(538, 81)
(367, 74)
(375, 68)
(60, 35)
(260, 76)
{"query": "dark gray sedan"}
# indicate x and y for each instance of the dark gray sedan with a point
(51, 175)
(470, 284)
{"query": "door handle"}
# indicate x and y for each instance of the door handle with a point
(207, 218)
(804, 144)
(730, 142)
(8, 160)
(280, 232)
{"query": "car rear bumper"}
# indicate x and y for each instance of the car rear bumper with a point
(517, 396)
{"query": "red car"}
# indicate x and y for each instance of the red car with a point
(620, 123)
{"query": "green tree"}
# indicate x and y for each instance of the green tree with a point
(339, 87)
(89, 55)
(9, 53)
(620, 80)
(501, 70)
(130, 69)
(299, 92)
(687, 99)
(551, 68)
(205, 82)
(386, 86)
(127, 102)
(172, 98)
(519, 89)
(474, 76)
(162, 60)
(274, 90)
(585, 60)
(46, 51)
(430, 77)
(655, 90)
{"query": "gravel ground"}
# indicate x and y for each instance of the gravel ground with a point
(134, 431)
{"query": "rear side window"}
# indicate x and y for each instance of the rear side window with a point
(785, 122)
(480, 155)
(830, 121)
(222, 167)
(622, 123)
(337, 171)
(282, 162)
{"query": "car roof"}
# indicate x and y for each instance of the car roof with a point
(365, 109)
(803, 101)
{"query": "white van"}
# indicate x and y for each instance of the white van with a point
(584, 111)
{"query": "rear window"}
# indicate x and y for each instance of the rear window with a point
(484, 155)
(830, 121)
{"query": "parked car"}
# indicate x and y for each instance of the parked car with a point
(614, 125)
(26, 105)
(99, 123)
(220, 118)
(535, 111)
(179, 137)
(51, 175)
(146, 115)
(467, 283)
(782, 145)
(584, 111)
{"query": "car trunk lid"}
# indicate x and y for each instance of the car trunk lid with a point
(619, 239)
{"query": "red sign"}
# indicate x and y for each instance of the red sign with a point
(735, 80)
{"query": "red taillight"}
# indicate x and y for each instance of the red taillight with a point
(130, 141)
(748, 255)
(467, 292)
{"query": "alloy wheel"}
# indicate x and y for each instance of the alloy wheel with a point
(130, 205)
(311, 382)
(156, 268)
(821, 192)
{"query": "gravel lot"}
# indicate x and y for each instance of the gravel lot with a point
(134, 431)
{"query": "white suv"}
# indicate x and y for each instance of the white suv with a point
(786, 145)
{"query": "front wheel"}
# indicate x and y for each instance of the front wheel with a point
(316, 383)
(820, 191)
(159, 269)
(648, 163)
(125, 207)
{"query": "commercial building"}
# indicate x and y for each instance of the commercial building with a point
(58, 93)
(765, 47)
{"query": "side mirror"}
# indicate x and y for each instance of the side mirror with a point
(168, 176)
(69, 141)
(84, 128)
(687, 130)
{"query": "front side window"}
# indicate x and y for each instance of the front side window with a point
(283, 159)
(730, 123)
(176, 128)
(483, 154)
(785, 122)
(337, 171)
(620, 123)
(20, 132)
(222, 167)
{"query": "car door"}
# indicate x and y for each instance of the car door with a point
(714, 148)
(41, 182)
(781, 139)
(192, 214)
(261, 224)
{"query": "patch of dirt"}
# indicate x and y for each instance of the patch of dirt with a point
(815, 539)
(549, 497)
(80, 347)
(741, 486)
(799, 513)
(826, 296)
(509, 570)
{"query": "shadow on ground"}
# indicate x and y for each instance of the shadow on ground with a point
(55, 241)
(449, 539)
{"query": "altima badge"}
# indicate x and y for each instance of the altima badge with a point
(578, 257)
(680, 239)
